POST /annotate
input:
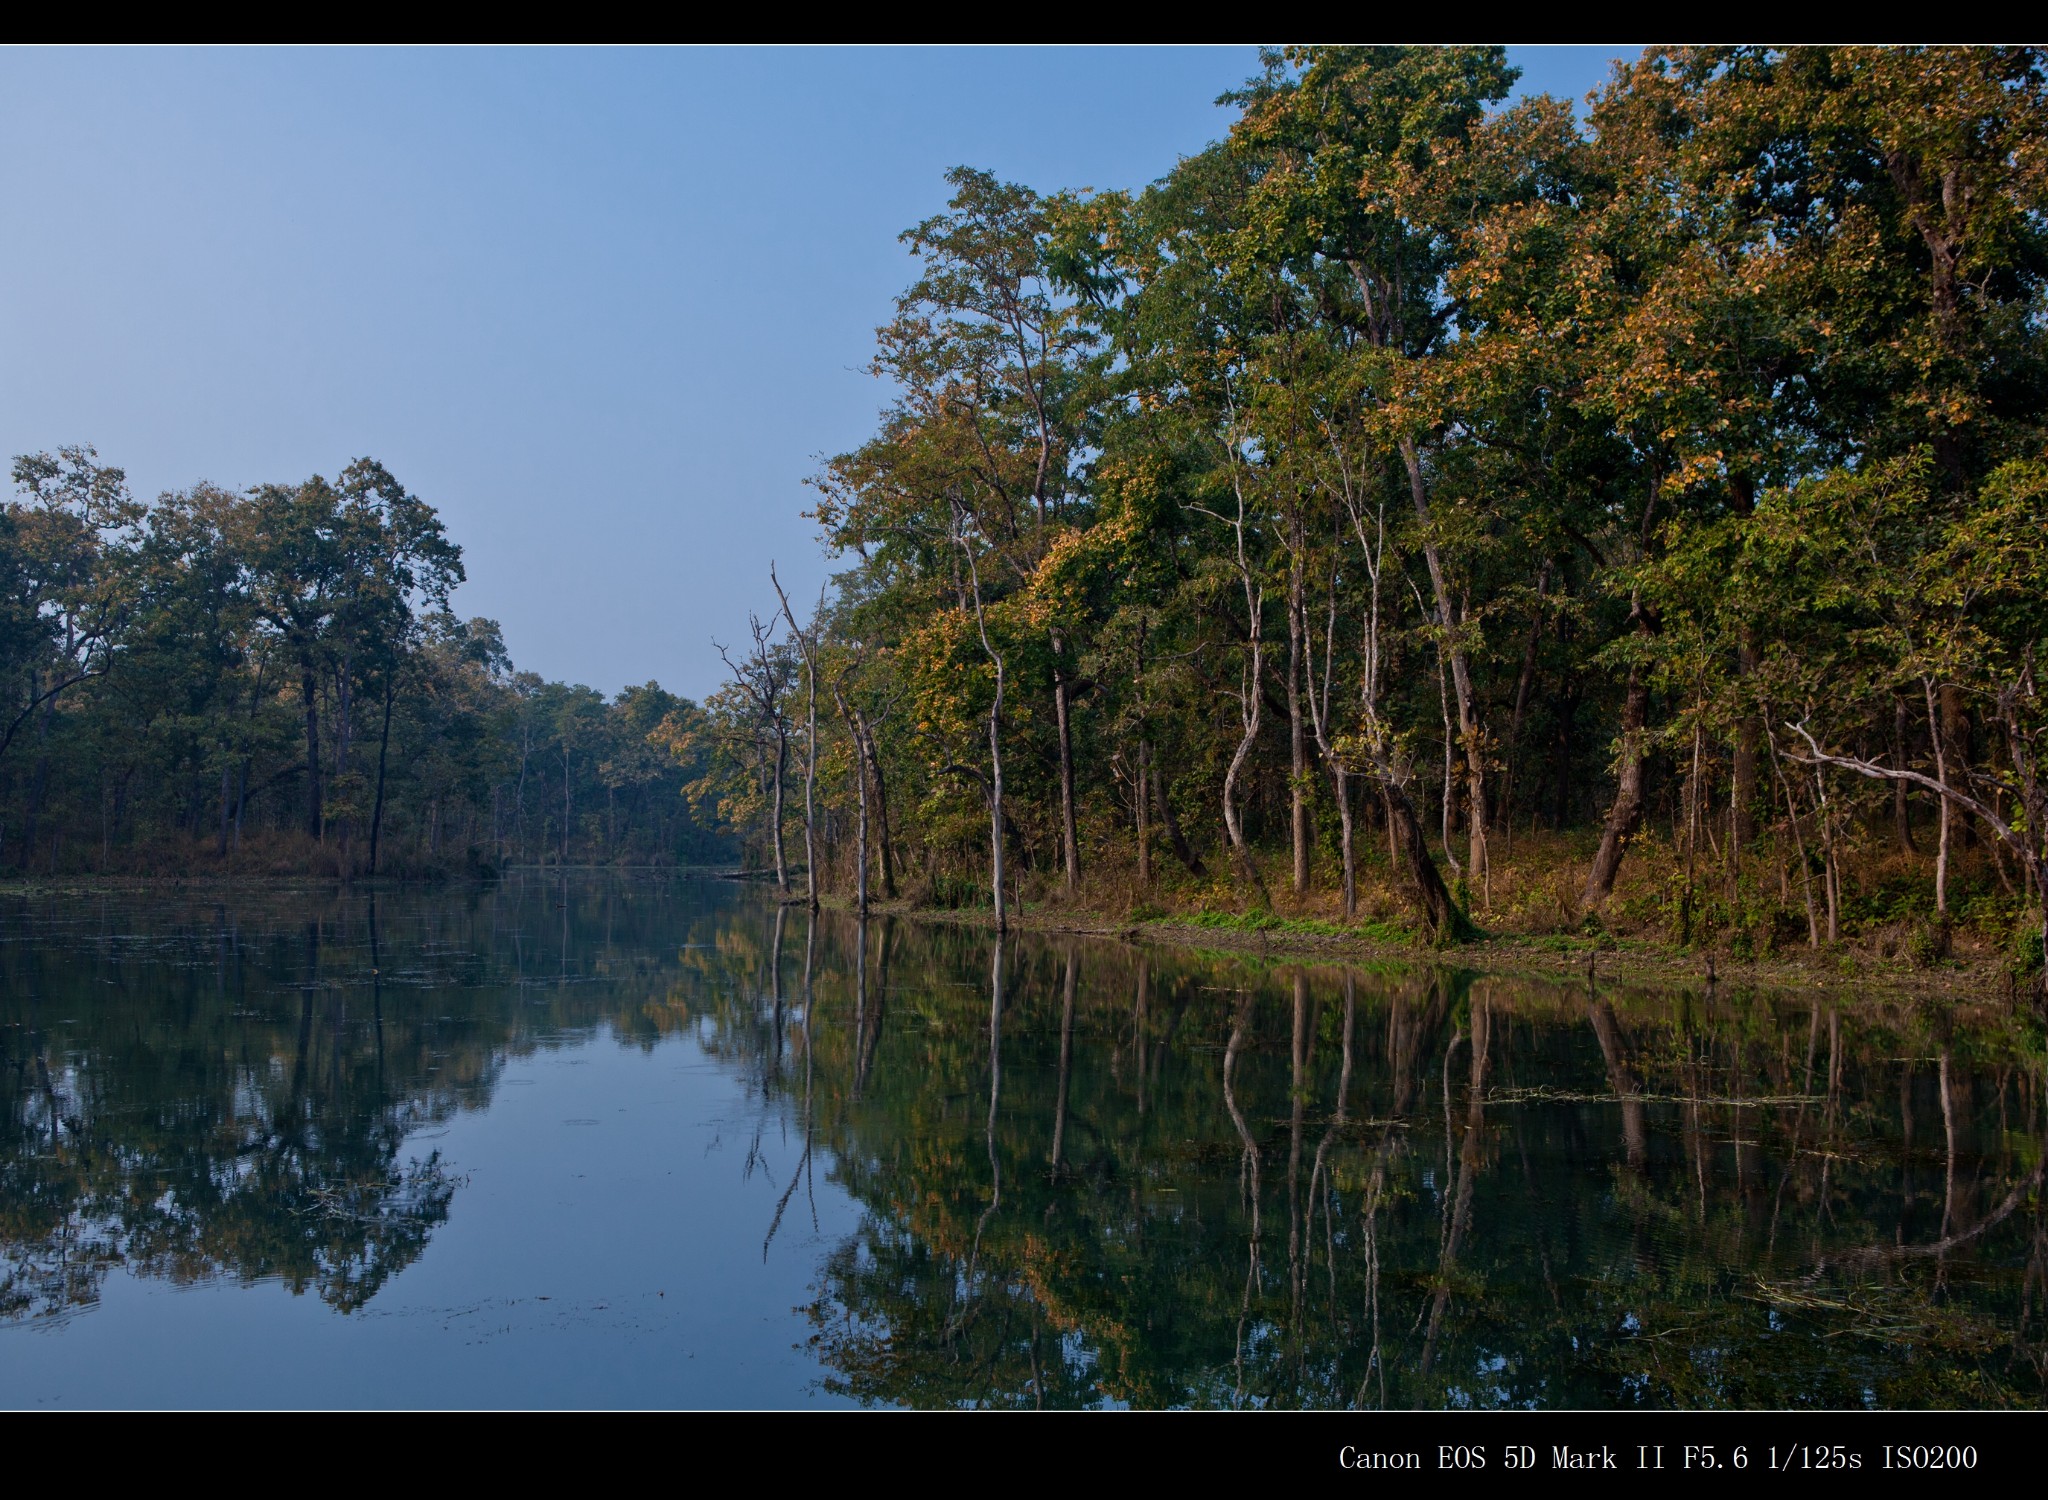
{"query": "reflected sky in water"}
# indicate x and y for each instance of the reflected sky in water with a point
(619, 1142)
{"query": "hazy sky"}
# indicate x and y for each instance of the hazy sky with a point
(605, 309)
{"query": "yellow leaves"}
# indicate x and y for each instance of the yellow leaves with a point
(949, 676)
(1132, 480)
(1057, 588)
(1697, 469)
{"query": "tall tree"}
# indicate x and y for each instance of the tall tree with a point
(331, 567)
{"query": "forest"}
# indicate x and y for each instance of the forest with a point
(271, 682)
(1425, 512)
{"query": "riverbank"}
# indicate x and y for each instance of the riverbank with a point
(1844, 970)
(1841, 972)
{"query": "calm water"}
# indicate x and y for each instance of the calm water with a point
(627, 1143)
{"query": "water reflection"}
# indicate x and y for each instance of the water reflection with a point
(166, 1118)
(1084, 1172)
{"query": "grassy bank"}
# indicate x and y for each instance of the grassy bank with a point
(1844, 971)
(1662, 922)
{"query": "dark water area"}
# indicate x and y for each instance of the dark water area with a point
(646, 1142)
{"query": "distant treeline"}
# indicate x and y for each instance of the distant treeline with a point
(271, 680)
(1413, 478)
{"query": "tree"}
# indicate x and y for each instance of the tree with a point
(69, 544)
(334, 569)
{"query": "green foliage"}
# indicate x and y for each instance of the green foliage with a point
(2026, 952)
(272, 681)
(1446, 462)
(1673, 477)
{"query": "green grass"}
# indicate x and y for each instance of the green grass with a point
(1265, 921)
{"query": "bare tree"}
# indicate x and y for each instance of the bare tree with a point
(807, 643)
(764, 678)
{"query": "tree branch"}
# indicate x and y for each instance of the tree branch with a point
(1876, 772)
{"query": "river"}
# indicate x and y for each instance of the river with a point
(615, 1141)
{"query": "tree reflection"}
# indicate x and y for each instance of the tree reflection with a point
(1084, 1173)
(280, 1165)
(192, 1096)
(1693, 1197)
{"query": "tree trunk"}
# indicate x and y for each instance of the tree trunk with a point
(1252, 708)
(1742, 492)
(383, 751)
(1902, 812)
(1445, 921)
(1251, 703)
(344, 717)
(2024, 751)
(1181, 849)
(1743, 796)
(1062, 702)
(1937, 732)
(226, 784)
(1476, 857)
(1628, 796)
(781, 773)
(1297, 744)
(309, 691)
(860, 863)
(995, 757)
(1799, 843)
(809, 798)
(1525, 681)
(1461, 672)
(41, 777)
(1955, 729)
(525, 752)
(995, 803)
(1350, 857)
(1144, 808)
(1448, 799)
(1831, 865)
(885, 848)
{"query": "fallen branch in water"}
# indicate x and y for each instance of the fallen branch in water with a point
(1877, 1255)
(1567, 1096)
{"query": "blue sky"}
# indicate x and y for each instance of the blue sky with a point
(605, 309)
